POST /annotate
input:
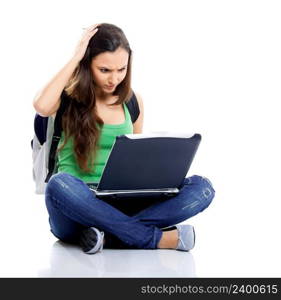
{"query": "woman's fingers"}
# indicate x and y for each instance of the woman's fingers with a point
(88, 33)
(92, 27)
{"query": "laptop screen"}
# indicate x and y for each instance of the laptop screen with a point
(148, 162)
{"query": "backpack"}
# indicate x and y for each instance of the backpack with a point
(47, 133)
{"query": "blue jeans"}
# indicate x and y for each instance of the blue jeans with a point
(127, 223)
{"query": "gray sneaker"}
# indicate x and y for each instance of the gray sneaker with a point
(91, 240)
(186, 237)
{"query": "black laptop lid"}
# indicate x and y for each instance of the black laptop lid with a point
(148, 163)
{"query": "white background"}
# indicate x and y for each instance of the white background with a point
(211, 67)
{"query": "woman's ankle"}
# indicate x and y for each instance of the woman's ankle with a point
(169, 240)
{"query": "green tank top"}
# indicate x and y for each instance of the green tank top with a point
(66, 159)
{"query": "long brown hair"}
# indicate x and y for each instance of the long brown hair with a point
(80, 120)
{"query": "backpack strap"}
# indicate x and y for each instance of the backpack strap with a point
(57, 134)
(133, 108)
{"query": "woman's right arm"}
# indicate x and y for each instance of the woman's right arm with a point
(47, 100)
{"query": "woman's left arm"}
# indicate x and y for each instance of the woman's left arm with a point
(138, 125)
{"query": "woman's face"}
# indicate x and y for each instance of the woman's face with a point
(109, 69)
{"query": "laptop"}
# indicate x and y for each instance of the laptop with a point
(147, 164)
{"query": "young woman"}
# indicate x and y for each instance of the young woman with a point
(97, 82)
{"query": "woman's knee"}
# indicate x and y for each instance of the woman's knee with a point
(56, 187)
(64, 189)
(208, 190)
(56, 180)
(60, 181)
(206, 187)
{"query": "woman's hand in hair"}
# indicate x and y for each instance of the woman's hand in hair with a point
(81, 47)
